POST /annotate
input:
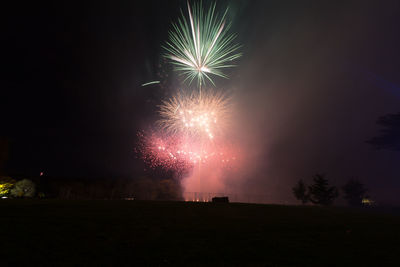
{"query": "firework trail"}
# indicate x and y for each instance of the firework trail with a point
(200, 46)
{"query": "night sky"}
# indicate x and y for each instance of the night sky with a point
(314, 78)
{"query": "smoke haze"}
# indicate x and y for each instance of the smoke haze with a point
(313, 79)
(307, 101)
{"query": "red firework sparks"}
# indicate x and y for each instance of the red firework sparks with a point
(181, 153)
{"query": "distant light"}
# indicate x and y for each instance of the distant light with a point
(4, 197)
(367, 201)
(41, 173)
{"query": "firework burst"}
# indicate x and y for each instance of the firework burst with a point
(202, 114)
(181, 154)
(200, 46)
(192, 138)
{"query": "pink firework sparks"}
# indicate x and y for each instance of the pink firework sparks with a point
(180, 153)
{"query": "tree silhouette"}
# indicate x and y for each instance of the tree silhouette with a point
(354, 192)
(300, 191)
(320, 192)
(389, 137)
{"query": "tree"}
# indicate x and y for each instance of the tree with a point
(320, 192)
(6, 183)
(354, 192)
(24, 188)
(300, 191)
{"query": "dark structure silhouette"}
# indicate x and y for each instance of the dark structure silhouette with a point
(220, 199)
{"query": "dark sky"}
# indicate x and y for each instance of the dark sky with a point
(314, 78)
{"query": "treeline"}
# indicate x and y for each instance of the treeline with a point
(143, 188)
(320, 192)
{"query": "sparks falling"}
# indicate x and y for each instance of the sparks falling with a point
(200, 46)
(198, 115)
(181, 154)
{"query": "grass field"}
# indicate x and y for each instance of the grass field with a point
(136, 233)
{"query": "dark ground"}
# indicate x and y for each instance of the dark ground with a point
(128, 233)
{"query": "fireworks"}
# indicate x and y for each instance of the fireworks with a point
(192, 137)
(179, 153)
(150, 83)
(196, 114)
(200, 46)
(161, 151)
